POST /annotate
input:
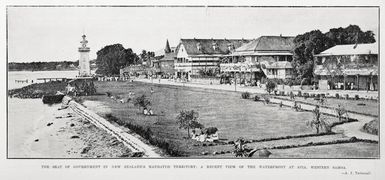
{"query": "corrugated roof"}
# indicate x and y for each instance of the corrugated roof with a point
(243, 53)
(351, 49)
(206, 46)
(269, 43)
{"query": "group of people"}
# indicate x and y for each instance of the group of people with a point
(148, 112)
(202, 137)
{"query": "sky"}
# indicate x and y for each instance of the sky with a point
(54, 33)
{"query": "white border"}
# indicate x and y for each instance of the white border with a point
(31, 169)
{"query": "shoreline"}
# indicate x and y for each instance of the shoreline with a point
(61, 134)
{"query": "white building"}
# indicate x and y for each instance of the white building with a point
(266, 57)
(195, 55)
(348, 67)
(84, 59)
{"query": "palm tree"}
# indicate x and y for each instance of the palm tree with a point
(341, 111)
(318, 122)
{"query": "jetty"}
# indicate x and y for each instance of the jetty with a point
(53, 79)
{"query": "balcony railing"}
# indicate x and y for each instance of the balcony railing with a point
(239, 67)
(183, 64)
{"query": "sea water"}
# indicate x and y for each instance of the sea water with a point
(24, 116)
(32, 77)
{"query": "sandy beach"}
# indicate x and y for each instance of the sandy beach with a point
(41, 131)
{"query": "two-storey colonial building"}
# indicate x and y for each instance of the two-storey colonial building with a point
(265, 57)
(348, 67)
(195, 55)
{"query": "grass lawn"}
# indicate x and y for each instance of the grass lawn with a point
(361, 106)
(348, 150)
(233, 116)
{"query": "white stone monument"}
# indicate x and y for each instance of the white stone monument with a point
(84, 60)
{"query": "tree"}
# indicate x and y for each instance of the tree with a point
(341, 111)
(112, 58)
(318, 122)
(314, 42)
(142, 102)
(146, 56)
(350, 35)
(188, 120)
(270, 86)
(306, 45)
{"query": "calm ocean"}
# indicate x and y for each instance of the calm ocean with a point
(33, 75)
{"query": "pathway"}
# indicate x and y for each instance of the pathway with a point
(254, 89)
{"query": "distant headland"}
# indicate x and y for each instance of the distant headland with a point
(45, 66)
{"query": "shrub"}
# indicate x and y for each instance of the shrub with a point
(296, 106)
(341, 112)
(291, 95)
(142, 101)
(337, 96)
(372, 127)
(245, 95)
(299, 94)
(270, 86)
(356, 97)
(257, 98)
(210, 130)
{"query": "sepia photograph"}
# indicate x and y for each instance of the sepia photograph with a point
(192, 82)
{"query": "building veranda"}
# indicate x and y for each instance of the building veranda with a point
(265, 57)
(348, 67)
(195, 57)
